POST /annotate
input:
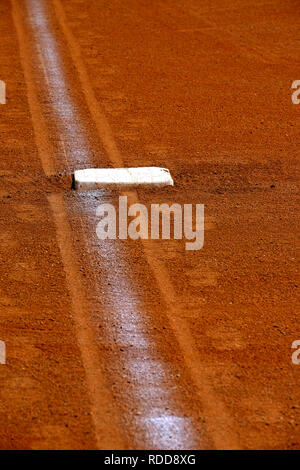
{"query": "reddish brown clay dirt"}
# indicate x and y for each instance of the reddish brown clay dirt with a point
(137, 345)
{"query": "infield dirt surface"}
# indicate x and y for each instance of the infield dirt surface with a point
(124, 344)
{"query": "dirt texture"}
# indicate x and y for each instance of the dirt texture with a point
(141, 344)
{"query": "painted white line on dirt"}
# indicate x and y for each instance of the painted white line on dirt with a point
(65, 153)
(154, 400)
(2, 92)
(43, 64)
(104, 412)
(61, 99)
(99, 178)
(219, 421)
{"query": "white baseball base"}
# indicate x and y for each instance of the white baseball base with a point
(100, 178)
